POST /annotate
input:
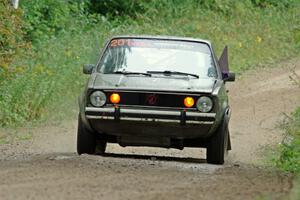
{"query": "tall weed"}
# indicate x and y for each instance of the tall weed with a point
(11, 35)
(289, 159)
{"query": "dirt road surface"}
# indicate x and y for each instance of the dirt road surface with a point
(47, 167)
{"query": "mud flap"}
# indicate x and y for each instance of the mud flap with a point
(229, 142)
(227, 114)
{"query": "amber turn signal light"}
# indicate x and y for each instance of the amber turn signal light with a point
(115, 98)
(189, 102)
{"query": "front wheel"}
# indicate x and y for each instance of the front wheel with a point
(218, 145)
(87, 141)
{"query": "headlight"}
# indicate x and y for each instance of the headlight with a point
(98, 98)
(204, 104)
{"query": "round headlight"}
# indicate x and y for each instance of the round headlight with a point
(204, 104)
(98, 98)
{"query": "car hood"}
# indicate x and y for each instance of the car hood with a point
(154, 83)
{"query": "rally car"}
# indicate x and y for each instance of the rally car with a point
(156, 91)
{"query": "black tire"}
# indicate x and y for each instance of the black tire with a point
(218, 145)
(87, 141)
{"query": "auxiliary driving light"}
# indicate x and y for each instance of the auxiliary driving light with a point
(189, 102)
(115, 98)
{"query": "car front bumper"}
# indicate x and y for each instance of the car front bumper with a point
(178, 124)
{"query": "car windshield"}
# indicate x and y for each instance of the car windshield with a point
(158, 57)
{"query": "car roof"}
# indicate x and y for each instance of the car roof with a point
(163, 38)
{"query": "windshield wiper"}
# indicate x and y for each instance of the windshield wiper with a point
(168, 73)
(130, 73)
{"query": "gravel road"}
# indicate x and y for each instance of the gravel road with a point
(47, 167)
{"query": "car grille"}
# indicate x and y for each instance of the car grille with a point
(152, 99)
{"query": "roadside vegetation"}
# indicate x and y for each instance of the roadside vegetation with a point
(289, 152)
(44, 43)
(288, 158)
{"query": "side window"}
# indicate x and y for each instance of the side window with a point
(113, 59)
(107, 62)
(212, 72)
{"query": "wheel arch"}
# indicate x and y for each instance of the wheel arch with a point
(84, 120)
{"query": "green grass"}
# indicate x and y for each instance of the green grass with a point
(47, 80)
(289, 151)
(287, 155)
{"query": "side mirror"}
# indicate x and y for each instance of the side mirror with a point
(88, 68)
(228, 77)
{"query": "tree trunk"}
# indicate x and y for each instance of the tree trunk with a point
(15, 3)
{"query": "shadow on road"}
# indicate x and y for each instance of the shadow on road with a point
(155, 157)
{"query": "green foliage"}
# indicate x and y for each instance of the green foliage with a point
(11, 34)
(131, 8)
(47, 78)
(289, 159)
(254, 35)
(47, 19)
(117, 7)
(275, 3)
